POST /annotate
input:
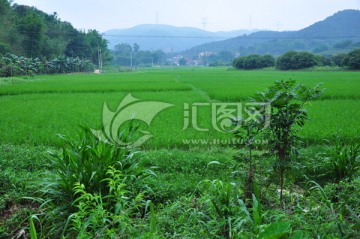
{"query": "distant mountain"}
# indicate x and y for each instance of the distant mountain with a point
(342, 24)
(167, 38)
(336, 33)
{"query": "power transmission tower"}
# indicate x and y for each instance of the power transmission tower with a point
(204, 22)
(250, 22)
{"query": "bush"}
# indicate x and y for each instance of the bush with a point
(343, 161)
(254, 62)
(239, 63)
(4, 48)
(352, 60)
(293, 60)
(92, 178)
(106, 216)
(324, 60)
(266, 61)
(251, 62)
(339, 59)
(9, 71)
(346, 196)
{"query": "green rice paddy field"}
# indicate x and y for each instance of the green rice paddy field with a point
(33, 111)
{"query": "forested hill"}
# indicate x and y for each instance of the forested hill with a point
(340, 32)
(167, 38)
(29, 32)
(342, 24)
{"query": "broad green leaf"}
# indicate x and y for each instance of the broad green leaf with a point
(275, 230)
(298, 235)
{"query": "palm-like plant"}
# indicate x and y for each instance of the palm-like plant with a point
(12, 65)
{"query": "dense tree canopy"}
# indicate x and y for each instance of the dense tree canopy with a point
(29, 32)
(221, 58)
(31, 28)
(352, 60)
(126, 55)
(293, 60)
(254, 62)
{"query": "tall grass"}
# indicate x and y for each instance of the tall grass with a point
(86, 172)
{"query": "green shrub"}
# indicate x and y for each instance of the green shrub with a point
(345, 196)
(107, 216)
(293, 60)
(343, 161)
(287, 116)
(335, 163)
(238, 63)
(254, 62)
(352, 60)
(84, 167)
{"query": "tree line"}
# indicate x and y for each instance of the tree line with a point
(131, 56)
(28, 32)
(293, 60)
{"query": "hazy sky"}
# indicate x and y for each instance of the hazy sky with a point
(221, 15)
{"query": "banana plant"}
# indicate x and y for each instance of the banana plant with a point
(12, 65)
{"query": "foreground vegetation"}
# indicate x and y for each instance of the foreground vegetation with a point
(176, 187)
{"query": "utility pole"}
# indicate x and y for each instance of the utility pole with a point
(100, 60)
(131, 59)
(172, 59)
